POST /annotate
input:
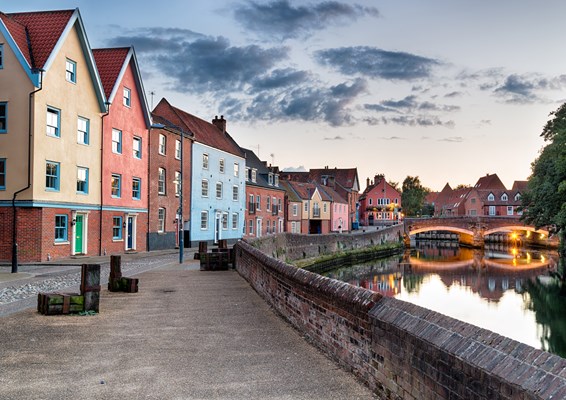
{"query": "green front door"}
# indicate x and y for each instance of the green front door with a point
(79, 234)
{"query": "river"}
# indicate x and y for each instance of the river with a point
(504, 289)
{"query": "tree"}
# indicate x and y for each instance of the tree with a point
(544, 202)
(413, 196)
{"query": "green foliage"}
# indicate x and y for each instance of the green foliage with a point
(413, 196)
(544, 203)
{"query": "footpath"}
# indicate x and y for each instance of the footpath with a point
(187, 334)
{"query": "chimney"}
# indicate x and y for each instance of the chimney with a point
(220, 123)
(367, 181)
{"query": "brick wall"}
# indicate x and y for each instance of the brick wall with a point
(400, 350)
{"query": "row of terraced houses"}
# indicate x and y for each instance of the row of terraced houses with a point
(86, 168)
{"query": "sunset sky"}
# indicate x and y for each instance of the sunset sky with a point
(444, 90)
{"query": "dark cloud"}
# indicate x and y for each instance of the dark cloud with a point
(279, 78)
(523, 89)
(410, 104)
(452, 95)
(279, 19)
(376, 63)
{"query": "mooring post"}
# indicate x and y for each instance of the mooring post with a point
(90, 286)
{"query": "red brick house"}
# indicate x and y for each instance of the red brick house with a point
(125, 153)
(293, 206)
(265, 198)
(380, 203)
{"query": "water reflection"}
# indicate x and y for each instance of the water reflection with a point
(495, 288)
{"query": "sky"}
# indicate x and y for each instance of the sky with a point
(444, 90)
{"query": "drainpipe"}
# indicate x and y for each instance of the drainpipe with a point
(14, 209)
(107, 104)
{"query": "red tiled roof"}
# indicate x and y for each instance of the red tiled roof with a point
(302, 189)
(109, 63)
(44, 28)
(519, 186)
(332, 194)
(344, 176)
(204, 132)
(489, 182)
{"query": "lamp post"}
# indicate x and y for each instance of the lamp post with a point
(181, 229)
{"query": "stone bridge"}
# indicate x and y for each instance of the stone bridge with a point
(472, 230)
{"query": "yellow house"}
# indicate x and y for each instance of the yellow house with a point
(51, 113)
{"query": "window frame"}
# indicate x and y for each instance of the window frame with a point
(236, 170)
(116, 142)
(70, 74)
(295, 210)
(116, 188)
(204, 190)
(177, 183)
(162, 144)
(205, 161)
(161, 181)
(134, 190)
(127, 97)
(177, 149)
(204, 220)
(3, 173)
(221, 166)
(62, 227)
(161, 215)
(56, 177)
(85, 134)
(57, 113)
(85, 182)
(235, 221)
(4, 116)
(224, 221)
(137, 153)
(219, 190)
(117, 228)
(235, 193)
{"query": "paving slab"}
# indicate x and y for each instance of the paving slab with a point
(187, 334)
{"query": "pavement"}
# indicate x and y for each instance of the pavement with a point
(187, 334)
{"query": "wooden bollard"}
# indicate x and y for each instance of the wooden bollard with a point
(222, 244)
(90, 286)
(115, 273)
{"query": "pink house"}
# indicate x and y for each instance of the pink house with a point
(380, 203)
(125, 130)
(339, 211)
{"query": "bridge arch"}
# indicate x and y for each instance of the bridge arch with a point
(441, 228)
(515, 228)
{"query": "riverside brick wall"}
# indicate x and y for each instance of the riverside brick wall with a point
(292, 246)
(401, 350)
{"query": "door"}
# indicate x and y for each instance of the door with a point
(78, 234)
(130, 234)
(217, 228)
(258, 228)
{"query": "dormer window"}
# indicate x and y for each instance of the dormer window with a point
(504, 197)
(518, 197)
(71, 71)
(491, 197)
(248, 172)
(254, 174)
(277, 180)
(270, 179)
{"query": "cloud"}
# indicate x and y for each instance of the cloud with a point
(452, 139)
(279, 78)
(408, 120)
(522, 89)
(376, 63)
(300, 168)
(337, 137)
(410, 104)
(454, 94)
(281, 20)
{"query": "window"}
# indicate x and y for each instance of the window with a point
(236, 169)
(258, 202)
(116, 141)
(3, 117)
(82, 180)
(1, 56)
(295, 210)
(177, 183)
(248, 172)
(136, 188)
(251, 224)
(218, 190)
(518, 197)
(473, 200)
(137, 147)
(276, 180)
(221, 166)
(178, 149)
(161, 220)
(2, 174)
(504, 197)
(204, 220)
(235, 193)
(224, 221)
(117, 228)
(161, 174)
(268, 228)
(162, 144)
(270, 179)
(71, 71)
(51, 175)
(83, 127)
(491, 197)
(204, 188)
(491, 210)
(61, 228)
(116, 183)
(205, 161)
(306, 207)
(370, 201)
(254, 174)
(127, 97)
(509, 210)
(268, 204)
(235, 221)
(324, 207)
(53, 122)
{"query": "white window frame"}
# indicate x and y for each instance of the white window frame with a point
(204, 188)
(221, 166)
(161, 215)
(127, 101)
(162, 146)
(177, 149)
(235, 221)
(204, 220)
(161, 181)
(236, 169)
(219, 190)
(205, 161)
(235, 193)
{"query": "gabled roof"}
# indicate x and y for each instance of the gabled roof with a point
(304, 191)
(295, 176)
(204, 132)
(519, 186)
(347, 177)
(112, 64)
(292, 196)
(332, 194)
(36, 37)
(489, 182)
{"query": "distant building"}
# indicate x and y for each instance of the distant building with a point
(380, 203)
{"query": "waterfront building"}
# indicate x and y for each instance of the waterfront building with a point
(216, 177)
(315, 206)
(50, 142)
(292, 209)
(380, 203)
(265, 198)
(125, 155)
(339, 210)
